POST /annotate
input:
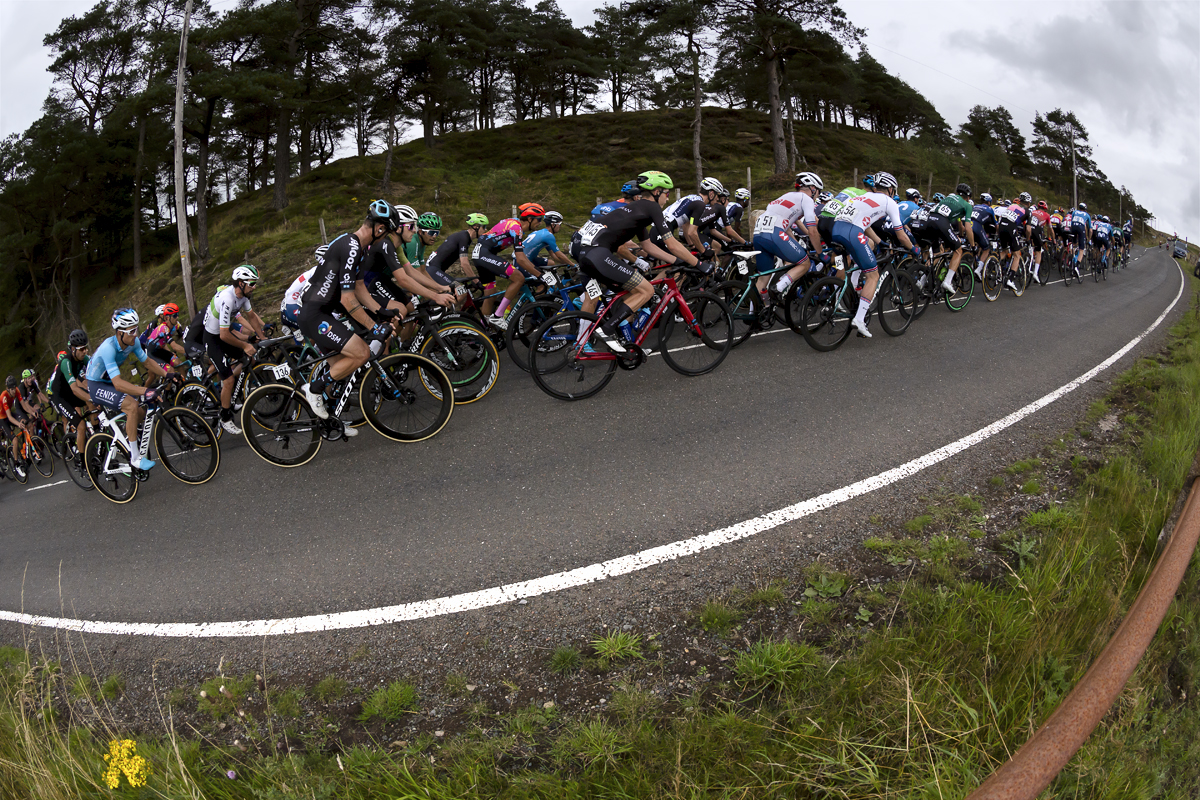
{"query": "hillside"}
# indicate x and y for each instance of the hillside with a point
(562, 163)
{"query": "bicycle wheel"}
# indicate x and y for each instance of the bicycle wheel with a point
(921, 274)
(523, 324)
(825, 313)
(743, 302)
(200, 398)
(112, 476)
(895, 301)
(1020, 278)
(565, 368)
(40, 456)
(187, 445)
(963, 283)
(18, 470)
(993, 279)
(407, 399)
(77, 469)
(700, 346)
(468, 358)
(280, 426)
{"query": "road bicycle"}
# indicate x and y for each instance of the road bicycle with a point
(928, 273)
(995, 274)
(750, 310)
(405, 397)
(28, 450)
(570, 360)
(830, 304)
(466, 354)
(201, 390)
(184, 442)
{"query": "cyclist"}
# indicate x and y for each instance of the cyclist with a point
(107, 388)
(1081, 223)
(628, 190)
(12, 412)
(224, 348)
(736, 209)
(697, 212)
(1039, 224)
(641, 219)
(910, 203)
(159, 338)
(335, 288)
(849, 231)
(543, 239)
(429, 228)
(289, 306)
(1013, 220)
(456, 247)
(1127, 236)
(772, 232)
(1100, 231)
(69, 388)
(388, 276)
(505, 234)
(946, 221)
(31, 392)
(983, 229)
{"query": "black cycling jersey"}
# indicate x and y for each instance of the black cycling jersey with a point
(378, 268)
(67, 372)
(453, 248)
(29, 392)
(337, 271)
(711, 217)
(630, 221)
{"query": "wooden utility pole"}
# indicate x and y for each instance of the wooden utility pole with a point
(185, 258)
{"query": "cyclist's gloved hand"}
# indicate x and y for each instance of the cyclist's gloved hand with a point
(381, 331)
(825, 258)
(642, 264)
(708, 254)
(387, 313)
(149, 396)
(916, 251)
(706, 267)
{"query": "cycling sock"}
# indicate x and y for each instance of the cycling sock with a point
(317, 386)
(864, 304)
(226, 414)
(783, 284)
(500, 309)
(615, 316)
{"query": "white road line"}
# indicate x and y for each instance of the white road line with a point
(581, 576)
(47, 486)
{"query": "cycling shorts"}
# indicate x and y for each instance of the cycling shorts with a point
(161, 355)
(492, 264)
(290, 315)
(1008, 237)
(576, 243)
(609, 270)
(384, 291)
(1037, 239)
(981, 237)
(779, 243)
(1100, 241)
(939, 229)
(67, 409)
(106, 395)
(1080, 234)
(329, 334)
(855, 241)
(222, 354)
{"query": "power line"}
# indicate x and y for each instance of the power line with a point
(954, 77)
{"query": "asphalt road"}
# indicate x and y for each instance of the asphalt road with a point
(520, 485)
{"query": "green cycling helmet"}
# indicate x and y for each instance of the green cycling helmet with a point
(477, 219)
(654, 179)
(429, 221)
(27, 374)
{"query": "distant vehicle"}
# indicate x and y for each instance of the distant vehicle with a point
(1180, 249)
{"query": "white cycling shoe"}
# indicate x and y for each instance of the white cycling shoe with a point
(229, 426)
(315, 401)
(861, 327)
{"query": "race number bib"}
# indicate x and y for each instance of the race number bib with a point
(548, 278)
(765, 224)
(593, 289)
(943, 210)
(197, 372)
(833, 207)
(476, 250)
(282, 372)
(589, 232)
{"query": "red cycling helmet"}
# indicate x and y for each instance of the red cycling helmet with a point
(531, 210)
(1043, 205)
(170, 310)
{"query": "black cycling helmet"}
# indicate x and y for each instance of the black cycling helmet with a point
(381, 212)
(962, 190)
(10, 382)
(78, 338)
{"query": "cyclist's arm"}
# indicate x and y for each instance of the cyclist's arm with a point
(559, 257)
(524, 263)
(813, 237)
(231, 339)
(968, 230)
(902, 236)
(730, 233)
(13, 418)
(26, 405)
(417, 282)
(80, 390)
(467, 266)
(431, 287)
(362, 298)
(691, 235)
(255, 322)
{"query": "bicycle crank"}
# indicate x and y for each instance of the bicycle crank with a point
(631, 359)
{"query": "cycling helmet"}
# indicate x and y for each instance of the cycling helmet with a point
(885, 181)
(1103, 218)
(824, 197)
(27, 374)
(158, 312)
(985, 198)
(429, 221)
(246, 272)
(869, 181)
(553, 218)
(1083, 206)
(477, 219)
(938, 197)
(404, 215)
(380, 213)
(1042, 204)
(1025, 197)
(653, 179)
(170, 309)
(723, 193)
(629, 187)
(962, 190)
(712, 185)
(125, 318)
(530, 210)
(809, 179)
(60, 355)
(78, 338)
(742, 194)
(912, 194)
(896, 197)
(10, 382)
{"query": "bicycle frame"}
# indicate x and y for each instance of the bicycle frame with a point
(114, 425)
(671, 292)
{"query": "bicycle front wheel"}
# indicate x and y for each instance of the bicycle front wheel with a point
(566, 368)
(963, 283)
(17, 468)
(825, 314)
(200, 398)
(467, 356)
(407, 399)
(77, 469)
(697, 346)
(109, 468)
(896, 301)
(40, 456)
(744, 303)
(187, 445)
(280, 426)
(921, 274)
(993, 279)
(522, 326)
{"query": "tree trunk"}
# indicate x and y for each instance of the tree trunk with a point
(139, 165)
(283, 149)
(387, 163)
(697, 100)
(791, 135)
(427, 120)
(77, 252)
(778, 146)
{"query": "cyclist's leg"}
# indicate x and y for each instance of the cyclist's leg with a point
(854, 239)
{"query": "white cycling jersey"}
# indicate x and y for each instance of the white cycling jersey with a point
(675, 211)
(294, 296)
(784, 211)
(865, 210)
(224, 307)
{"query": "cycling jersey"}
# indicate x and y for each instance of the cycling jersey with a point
(710, 218)
(1081, 219)
(604, 208)
(378, 273)
(734, 212)
(784, 211)
(907, 207)
(953, 208)
(631, 221)
(839, 200)
(983, 219)
(505, 234)
(106, 362)
(10, 401)
(414, 251)
(294, 296)
(1056, 221)
(455, 247)
(864, 210)
(338, 268)
(682, 210)
(29, 392)
(160, 336)
(224, 306)
(537, 241)
(66, 373)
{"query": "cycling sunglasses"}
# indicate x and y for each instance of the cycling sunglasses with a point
(431, 233)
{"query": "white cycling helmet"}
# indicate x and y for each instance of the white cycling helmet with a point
(884, 182)
(712, 185)
(553, 218)
(404, 214)
(1025, 197)
(809, 179)
(912, 194)
(985, 198)
(1083, 206)
(742, 194)
(125, 318)
(158, 311)
(246, 272)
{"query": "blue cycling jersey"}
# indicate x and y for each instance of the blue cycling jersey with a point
(1081, 218)
(537, 241)
(907, 207)
(607, 208)
(107, 360)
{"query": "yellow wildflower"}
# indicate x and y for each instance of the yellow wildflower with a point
(123, 759)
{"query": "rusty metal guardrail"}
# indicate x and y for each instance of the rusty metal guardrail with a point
(1040, 760)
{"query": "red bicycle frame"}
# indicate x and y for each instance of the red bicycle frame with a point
(671, 293)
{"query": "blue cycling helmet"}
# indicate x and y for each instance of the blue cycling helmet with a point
(629, 188)
(869, 181)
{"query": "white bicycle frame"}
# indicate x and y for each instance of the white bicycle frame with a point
(118, 435)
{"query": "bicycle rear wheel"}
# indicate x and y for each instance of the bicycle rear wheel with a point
(564, 368)
(78, 472)
(18, 470)
(468, 358)
(921, 274)
(113, 477)
(187, 445)
(896, 299)
(408, 399)
(963, 282)
(523, 325)
(744, 304)
(824, 315)
(40, 456)
(700, 346)
(993, 279)
(200, 398)
(280, 426)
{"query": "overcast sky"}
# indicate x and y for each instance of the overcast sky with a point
(1130, 71)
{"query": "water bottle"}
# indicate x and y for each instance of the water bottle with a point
(626, 330)
(642, 316)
